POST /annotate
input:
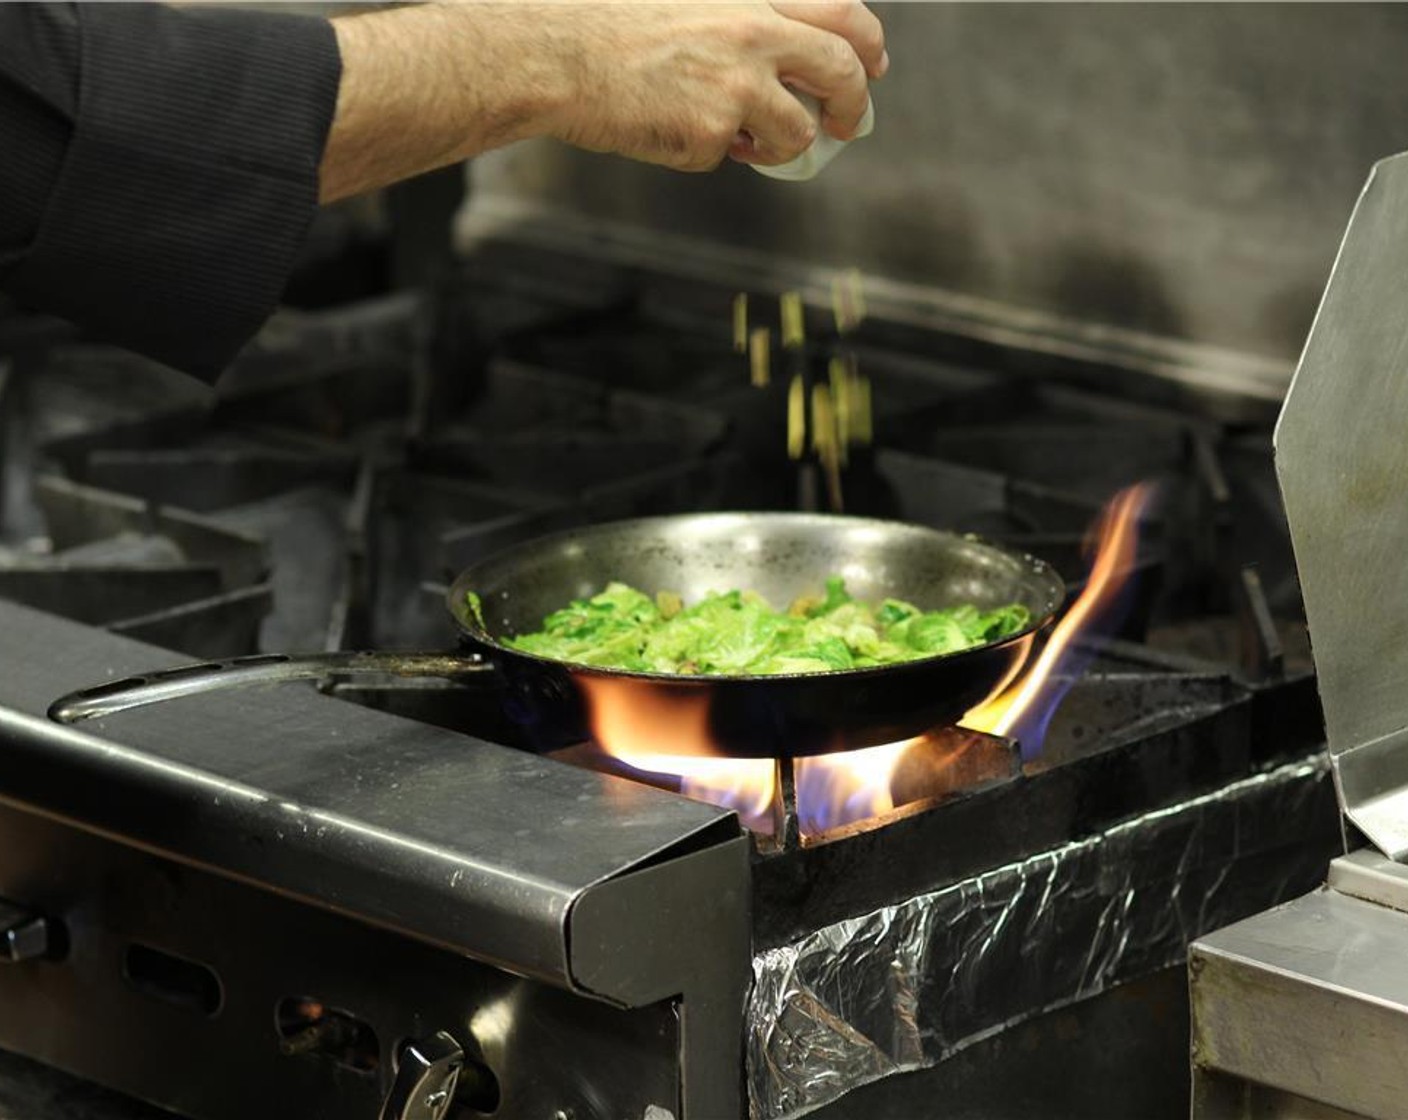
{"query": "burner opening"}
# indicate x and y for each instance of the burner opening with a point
(308, 1026)
(172, 979)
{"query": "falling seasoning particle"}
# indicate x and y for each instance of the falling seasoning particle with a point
(856, 287)
(792, 331)
(796, 418)
(862, 416)
(760, 357)
(740, 322)
(840, 377)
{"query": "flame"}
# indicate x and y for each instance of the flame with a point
(748, 785)
(626, 720)
(1025, 708)
(838, 789)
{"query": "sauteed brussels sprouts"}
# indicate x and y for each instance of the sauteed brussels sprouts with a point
(737, 633)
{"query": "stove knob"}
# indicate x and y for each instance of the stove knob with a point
(24, 935)
(426, 1077)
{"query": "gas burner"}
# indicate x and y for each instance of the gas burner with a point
(790, 803)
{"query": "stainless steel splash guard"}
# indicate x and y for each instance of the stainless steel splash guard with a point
(1342, 460)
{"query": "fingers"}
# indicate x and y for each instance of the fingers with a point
(825, 65)
(778, 128)
(852, 21)
(686, 84)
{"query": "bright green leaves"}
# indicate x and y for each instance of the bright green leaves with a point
(737, 633)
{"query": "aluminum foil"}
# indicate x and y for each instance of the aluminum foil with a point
(906, 986)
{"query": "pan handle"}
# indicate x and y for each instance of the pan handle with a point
(238, 672)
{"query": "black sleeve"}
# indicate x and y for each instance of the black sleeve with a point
(159, 167)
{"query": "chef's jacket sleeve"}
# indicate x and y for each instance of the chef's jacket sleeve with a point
(159, 167)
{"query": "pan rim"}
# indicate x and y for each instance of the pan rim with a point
(481, 637)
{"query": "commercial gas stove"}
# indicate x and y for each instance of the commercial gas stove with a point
(386, 900)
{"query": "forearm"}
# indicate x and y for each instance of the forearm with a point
(431, 85)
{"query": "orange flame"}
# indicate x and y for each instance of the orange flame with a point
(627, 722)
(843, 788)
(1034, 696)
(627, 719)
(836, 789)
(746, 784)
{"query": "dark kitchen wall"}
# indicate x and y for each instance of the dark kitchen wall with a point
(1181, 169)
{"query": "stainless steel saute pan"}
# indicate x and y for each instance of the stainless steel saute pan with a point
(780, 555)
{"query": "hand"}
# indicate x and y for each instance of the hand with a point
(684, 85)
(858, 25)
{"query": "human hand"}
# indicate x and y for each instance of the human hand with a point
(684, 85)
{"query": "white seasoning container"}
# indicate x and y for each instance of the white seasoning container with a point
(823, 149)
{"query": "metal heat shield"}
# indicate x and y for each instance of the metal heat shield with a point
(1342, 458)
(1302, 1011)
